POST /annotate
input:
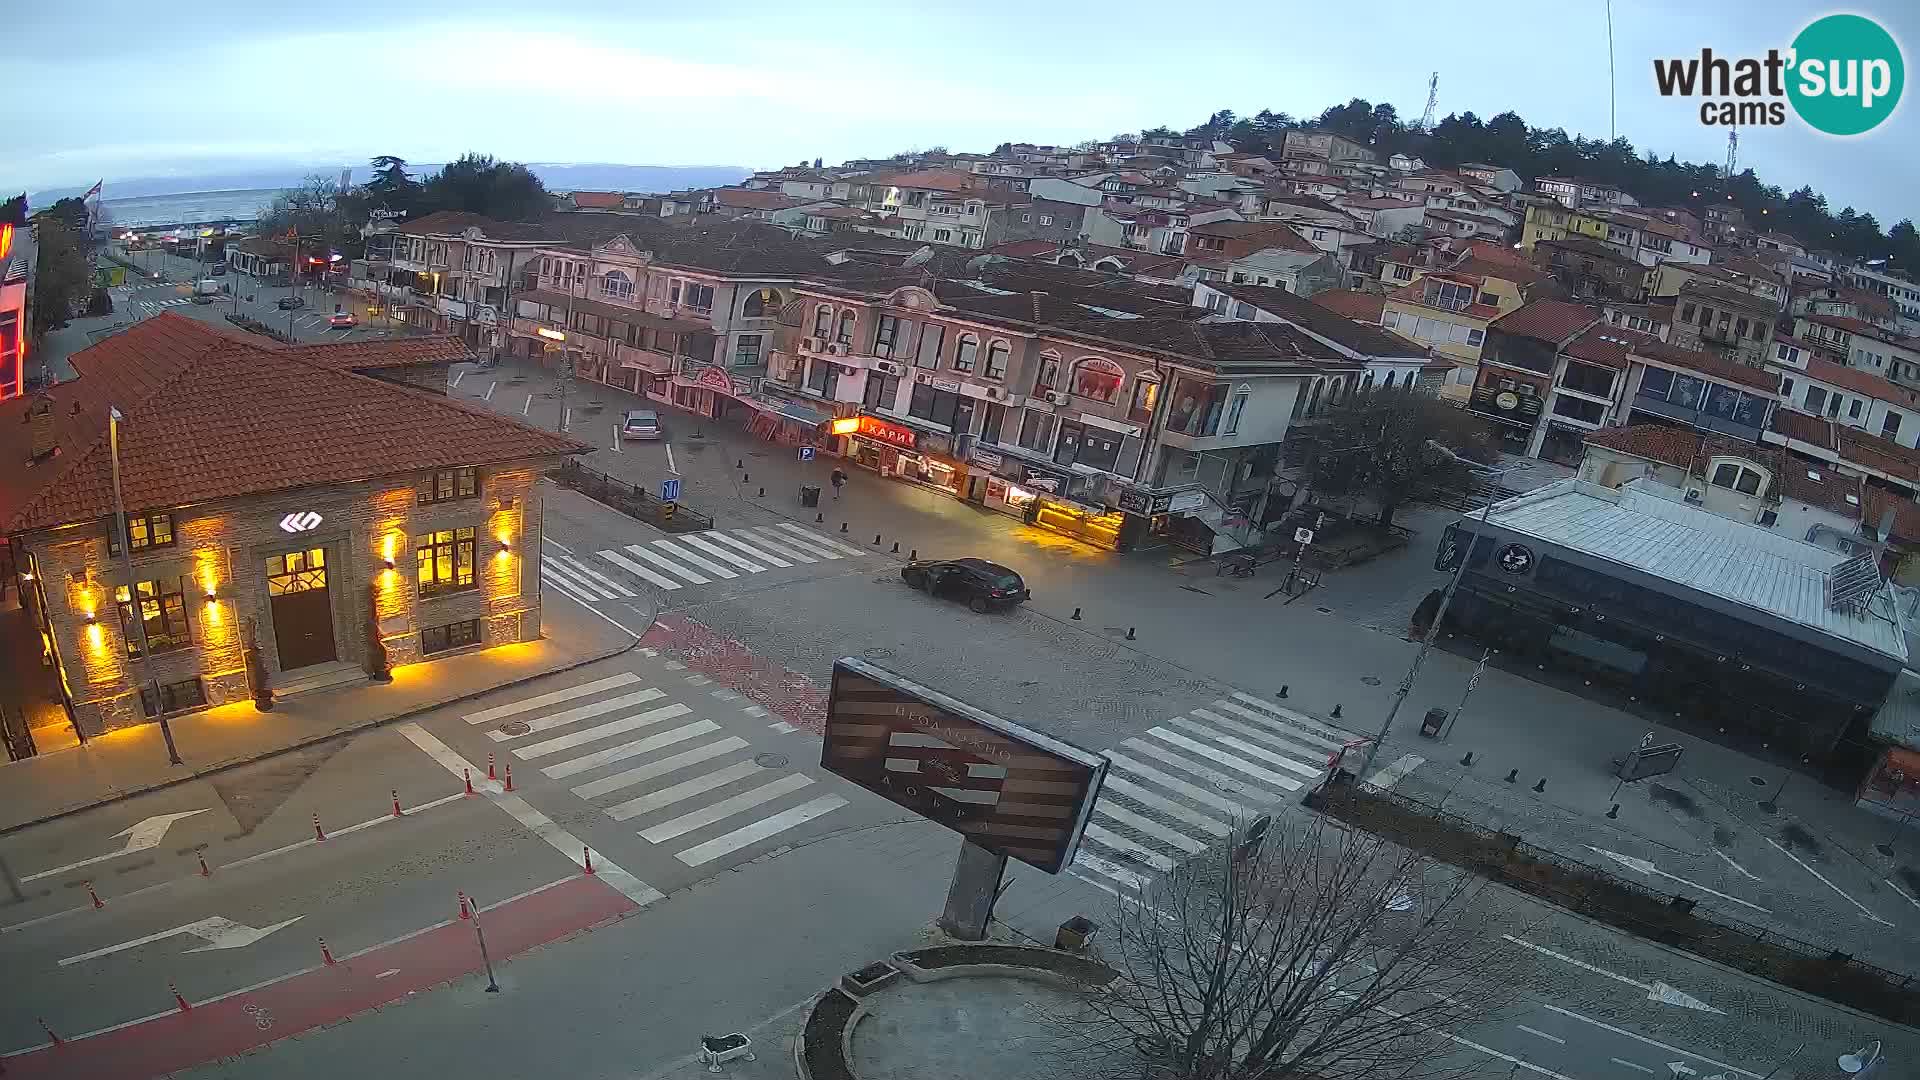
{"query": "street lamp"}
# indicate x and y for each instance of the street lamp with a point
(133, 584)
(1446, 599)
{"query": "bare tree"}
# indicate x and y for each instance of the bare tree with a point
(1326, 953)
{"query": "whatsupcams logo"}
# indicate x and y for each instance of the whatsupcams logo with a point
(1842, 75)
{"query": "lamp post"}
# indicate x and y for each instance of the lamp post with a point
(1439, 616)
(133, 585)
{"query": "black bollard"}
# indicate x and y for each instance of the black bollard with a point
(876, 539)
(1129, 633)
(914, 554)
(1076, 614)
(1283, 691)
(740, 464)
(896, 547)
(1336, 710)
(1513, 775)
(745, 477)
(1541, 786)
(1468, 760)
(843, 526)
(1614, 814)
(819, 519)
(763, 493)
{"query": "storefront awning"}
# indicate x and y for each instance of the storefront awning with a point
(792, 410)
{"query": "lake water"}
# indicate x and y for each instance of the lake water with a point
(208, 206)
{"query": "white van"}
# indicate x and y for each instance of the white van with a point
(205, 290)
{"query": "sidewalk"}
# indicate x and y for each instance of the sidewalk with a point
(132, 760)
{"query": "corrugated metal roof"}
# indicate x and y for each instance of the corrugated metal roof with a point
(1698, 550)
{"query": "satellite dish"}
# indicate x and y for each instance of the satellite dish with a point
(918, 258)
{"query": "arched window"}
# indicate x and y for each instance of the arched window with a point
(845, 336)
(1389, 383)
(1048, 377)
(822, 321)
(1367, 383)
(1098, 379)
(1313, 399)
(997, 354)
(616, 285)
(760, 304)
(965, 351)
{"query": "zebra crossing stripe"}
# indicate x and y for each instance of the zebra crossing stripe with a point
(1139, 823)
(1106, 838)
(719, 552)
(582, 570)
(708, 565)
(1238, 785)
(1300, 733)
(760, 830)
(642, 572)
(1299, 750)
(630, 777)
(601, 731)
(1120, 785)
(686, 789)
(500, 712)
(1281, 760)
(726, 808)
(634, 749)
(751, 551)
(659, 560)
(557, 572)
(772, 544)
(794, 543)
(1291, 716)
(583, 712)
(571, 591)
(819, 538)
(1173, 783)
(1271, 779)
(1106, 869)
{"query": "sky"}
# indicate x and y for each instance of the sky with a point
(131, 88)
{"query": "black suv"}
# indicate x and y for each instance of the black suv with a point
(982, 584)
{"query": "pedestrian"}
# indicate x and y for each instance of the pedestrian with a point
(839, 479)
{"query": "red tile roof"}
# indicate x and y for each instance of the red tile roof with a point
(1864, 383)
(369, 355)
(1873, 452)
(1801, 427)
(1606, 345)
(599, 200)
(1546, 320)
(744, 199)
(209, 416)
(932, 179)
(1352, 303)
(1906, 513)
(1676, 446)
(1025, 249)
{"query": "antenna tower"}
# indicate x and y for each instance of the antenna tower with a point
(1733, 151)
(1433, 99)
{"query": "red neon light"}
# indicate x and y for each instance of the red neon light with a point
(6, 241)
(874, 428)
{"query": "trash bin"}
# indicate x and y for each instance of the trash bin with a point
(1075, 933)
(809, 494)
(1431, 723)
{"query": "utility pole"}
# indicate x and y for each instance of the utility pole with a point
(133, 586)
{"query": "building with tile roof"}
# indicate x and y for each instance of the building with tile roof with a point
(280, 504)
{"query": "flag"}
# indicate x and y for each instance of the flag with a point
(92, 191)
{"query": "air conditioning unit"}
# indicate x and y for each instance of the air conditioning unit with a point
(1695, 494)
(890, 367)
(993, 392)
(840, 348)
(1056, 397)
(814, 344)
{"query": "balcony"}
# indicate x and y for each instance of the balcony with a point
(1699, 418)
(658, 363)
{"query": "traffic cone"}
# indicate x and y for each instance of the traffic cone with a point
(490, 774)
(319, 834)
(177, 999)
(396, 802)
(94, 896)
(587, 857)
(509, 776)
(326, 954)
(467, 775)
(465, 915)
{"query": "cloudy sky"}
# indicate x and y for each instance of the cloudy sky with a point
(130, 88)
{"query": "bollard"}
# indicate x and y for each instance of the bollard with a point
(763, 493)
(746, 477)
(177, 999)
(819, 519)
(586, 858)
(204, 870)
(1076, 614)
(396, 802)
(509, 776)
(1541, 786)
(94, 896)
(1512, 775)
(896, 548)
(1283, 691)
(490, 774)
(1468, 760)
(1130, 636)
(326, 954)
(1336, 710)
(467, 775)
(843, 526)
(1614, 814)
(740, 463)
(318, 834)
(914, 555)
(465, 915)
(876, 539)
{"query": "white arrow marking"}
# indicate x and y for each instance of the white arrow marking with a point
(1681, 1068)
(1828, 884)
(1656, 991)
(1750, 875)
(141, 836)
(1645, 867)
(218, 932)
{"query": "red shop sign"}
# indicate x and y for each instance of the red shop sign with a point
(880, 430)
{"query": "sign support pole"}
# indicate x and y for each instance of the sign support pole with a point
(976, 884)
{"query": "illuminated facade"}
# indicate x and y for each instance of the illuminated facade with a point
(16, 306)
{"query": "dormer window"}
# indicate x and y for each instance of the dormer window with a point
(1736, 475)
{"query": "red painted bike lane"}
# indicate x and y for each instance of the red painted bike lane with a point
(786, 694)
(240, 1022)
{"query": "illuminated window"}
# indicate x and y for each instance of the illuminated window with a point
(450, 484)
(174, 697)
(163, 612)
(436, 639)
(1098, 379)
(446, 561)
(145, 531)
(1146, 394)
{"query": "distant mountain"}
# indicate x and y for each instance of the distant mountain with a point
(558, 176)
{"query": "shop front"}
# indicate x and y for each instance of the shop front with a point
(709, 390)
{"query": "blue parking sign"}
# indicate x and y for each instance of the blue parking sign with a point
(806, 453)
(670, 489)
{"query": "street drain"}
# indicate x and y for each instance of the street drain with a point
(877, 654)
(770, 761)
(1757, 781)
(515, 727)
(1370, 680)
(1884, 849)
(1324, 610)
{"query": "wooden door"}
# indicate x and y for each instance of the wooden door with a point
(302, 608)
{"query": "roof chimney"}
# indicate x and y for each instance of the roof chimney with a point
(41, 441)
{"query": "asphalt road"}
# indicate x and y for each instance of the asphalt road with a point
(144, 298)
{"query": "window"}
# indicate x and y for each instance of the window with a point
(1097, 379)
(885, 329)
(823, 377)
(1587, 412)
(144, 531)
(1853, 409)
(1731, 474)
(1786, 389)
(1769, 518)
(1816, 399)
(1489, 299)
(1740, 328)
(1146, 394)
(822, 321)
(174, 697)
(1686, 312)
(1402, 272)
(449, 484)
(1048, 376)
(1587, 379)
(616, 285)
(937, 406)
(933, 337)
(760, 304)
(1046, 219)
(746, 351)
(1036, 430)
(1890, 425)
(1475, 336)
(965, 351)
(997, 354)
(436, 639)
(845, 336)
(697, 297)
(882, 391)
(163, 612)
(1237, 406)
(1319, 234)
(446, 561)
(1024, 218)
(942, 236)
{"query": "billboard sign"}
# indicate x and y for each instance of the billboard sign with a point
(1007, 788)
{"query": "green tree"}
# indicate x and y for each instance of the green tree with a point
(390, 187)
(14, 210)
(1374, 445)
(61, 279)
(478, 184)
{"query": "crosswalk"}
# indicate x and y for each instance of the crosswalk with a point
(687, 559)
(1190, 781)
(686, 783)
(152, 307)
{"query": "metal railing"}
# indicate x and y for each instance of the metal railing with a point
(635, 502)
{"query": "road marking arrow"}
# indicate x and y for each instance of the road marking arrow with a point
(217, 932)
(1645, 867)
(1656, 991)
(140, 836)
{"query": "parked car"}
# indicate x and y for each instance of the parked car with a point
(340, 319)
(983, 585)
(218, 270)
(641, 424)
(290, 303)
